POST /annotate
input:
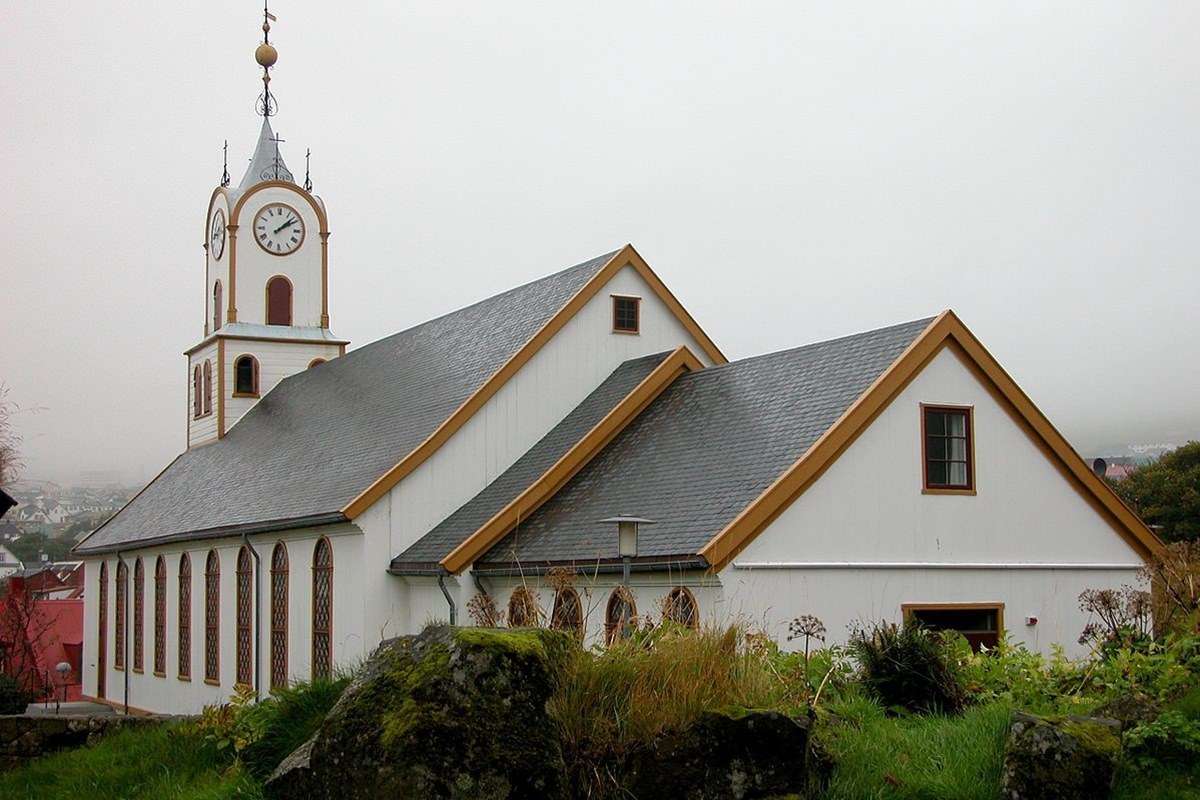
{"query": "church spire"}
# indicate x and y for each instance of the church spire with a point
(266, 164)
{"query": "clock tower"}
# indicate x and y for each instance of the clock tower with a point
(266, 287)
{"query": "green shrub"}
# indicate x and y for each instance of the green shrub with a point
(13, 698)
(906, 668)
(286, 720)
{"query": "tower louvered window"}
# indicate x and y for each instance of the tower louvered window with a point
(102, 627)
(279, 616)
(207, 387)
(160, 617)
(322, 619)
(119, 639)
(197, 393)
(216, 305)
(139, 596)
(245, 575)
(185, 616)
(212, 617)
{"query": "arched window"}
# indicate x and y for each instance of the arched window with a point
(160, 617)
(568, 611)
(139, 592)
(279, 301)
(322, 603)
(207, 386)
(679, 606)
(102, 627)
(119, 640)
(279, 615)
(245, 576)
(185, 616)
(245, 376)
(212, 618)
(522, 608)
(197, 393)
(316, 362)
(619, 614)
(216, 305)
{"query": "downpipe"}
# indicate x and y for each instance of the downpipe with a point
(449, 600)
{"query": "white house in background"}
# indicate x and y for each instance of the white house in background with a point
(327, 500)
(9, 564)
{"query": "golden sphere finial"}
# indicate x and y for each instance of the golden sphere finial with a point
(266, 55)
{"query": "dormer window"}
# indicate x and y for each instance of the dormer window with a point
(626, 314)
(207, 387)
(245, 377)
(197, 393)
(279, 301)
(947, 434)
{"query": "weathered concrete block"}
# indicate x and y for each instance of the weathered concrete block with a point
(739, 756)
(1072, 758)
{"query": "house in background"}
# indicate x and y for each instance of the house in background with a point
(9, 564)
(578, 451)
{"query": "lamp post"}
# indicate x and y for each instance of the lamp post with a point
(63, 668)
(627, 539)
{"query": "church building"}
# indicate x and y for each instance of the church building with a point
(574, 452)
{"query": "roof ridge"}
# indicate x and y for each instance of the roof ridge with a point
(789, 350)
(591, 261)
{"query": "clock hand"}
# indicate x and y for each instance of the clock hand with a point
(287, 224)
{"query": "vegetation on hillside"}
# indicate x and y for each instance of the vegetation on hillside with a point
(1166, 493)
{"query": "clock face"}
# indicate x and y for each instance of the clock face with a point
(216, 236)
(278, 229)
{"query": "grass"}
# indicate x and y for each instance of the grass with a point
(142, 764)
(285, 723)
(926, 757)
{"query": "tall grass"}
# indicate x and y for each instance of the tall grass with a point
(609, 702)
(136, 764)
(286, 720)
(926, 757)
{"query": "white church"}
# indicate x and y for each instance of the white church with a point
(576, 452)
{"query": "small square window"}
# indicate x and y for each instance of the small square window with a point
(947, 449)
(625, 314)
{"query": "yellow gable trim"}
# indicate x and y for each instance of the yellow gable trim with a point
(945, 331)
(627, 256)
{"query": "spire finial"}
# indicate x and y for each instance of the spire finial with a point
(307, 179)
(266, 55)
(225, 166)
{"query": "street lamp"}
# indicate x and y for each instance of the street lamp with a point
(627, 538)
(63, 668)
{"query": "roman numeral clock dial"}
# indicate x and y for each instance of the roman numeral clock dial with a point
(278, 229)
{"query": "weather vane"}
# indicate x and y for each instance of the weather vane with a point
(307, 179)
(225, 167)
(266, 55)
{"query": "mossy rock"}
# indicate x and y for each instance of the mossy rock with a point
(1060, 758)
(741, 754)
(448, 713)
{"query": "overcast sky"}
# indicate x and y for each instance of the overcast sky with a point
(794, 171)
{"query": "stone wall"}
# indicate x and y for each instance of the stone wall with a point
(24, 737)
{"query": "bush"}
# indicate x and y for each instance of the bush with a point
(13, 698)
(906, 668)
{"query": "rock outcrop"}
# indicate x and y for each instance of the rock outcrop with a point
(1071, 758)
(739, 755)
(448, 713)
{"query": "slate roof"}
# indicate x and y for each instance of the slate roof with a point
(424, 554)
(702, 451)
(291, 461)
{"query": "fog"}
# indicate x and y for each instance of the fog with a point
(793, 172)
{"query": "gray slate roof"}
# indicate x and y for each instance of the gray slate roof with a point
(322, 436)
(423, 555)
(266, 164)
(703, 450)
